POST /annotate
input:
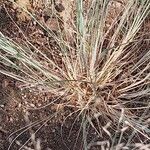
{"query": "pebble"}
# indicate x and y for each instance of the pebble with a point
(32, 105)
(39, 104)
(19, 105)
(11, 120)
(2, 106)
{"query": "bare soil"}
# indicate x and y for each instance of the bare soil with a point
(12, 118)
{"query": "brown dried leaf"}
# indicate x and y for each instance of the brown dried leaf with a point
(52, 24)
(21, 15)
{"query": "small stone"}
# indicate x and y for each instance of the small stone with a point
(32, 105)
(19, 105)
(59, 7)
(39, 104)
(11, 120)
(2, 106)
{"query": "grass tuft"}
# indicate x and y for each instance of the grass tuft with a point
(103, 71)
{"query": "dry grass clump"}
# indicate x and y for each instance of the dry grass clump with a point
(102, 72)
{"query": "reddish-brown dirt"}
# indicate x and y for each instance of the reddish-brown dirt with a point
(54, 134)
